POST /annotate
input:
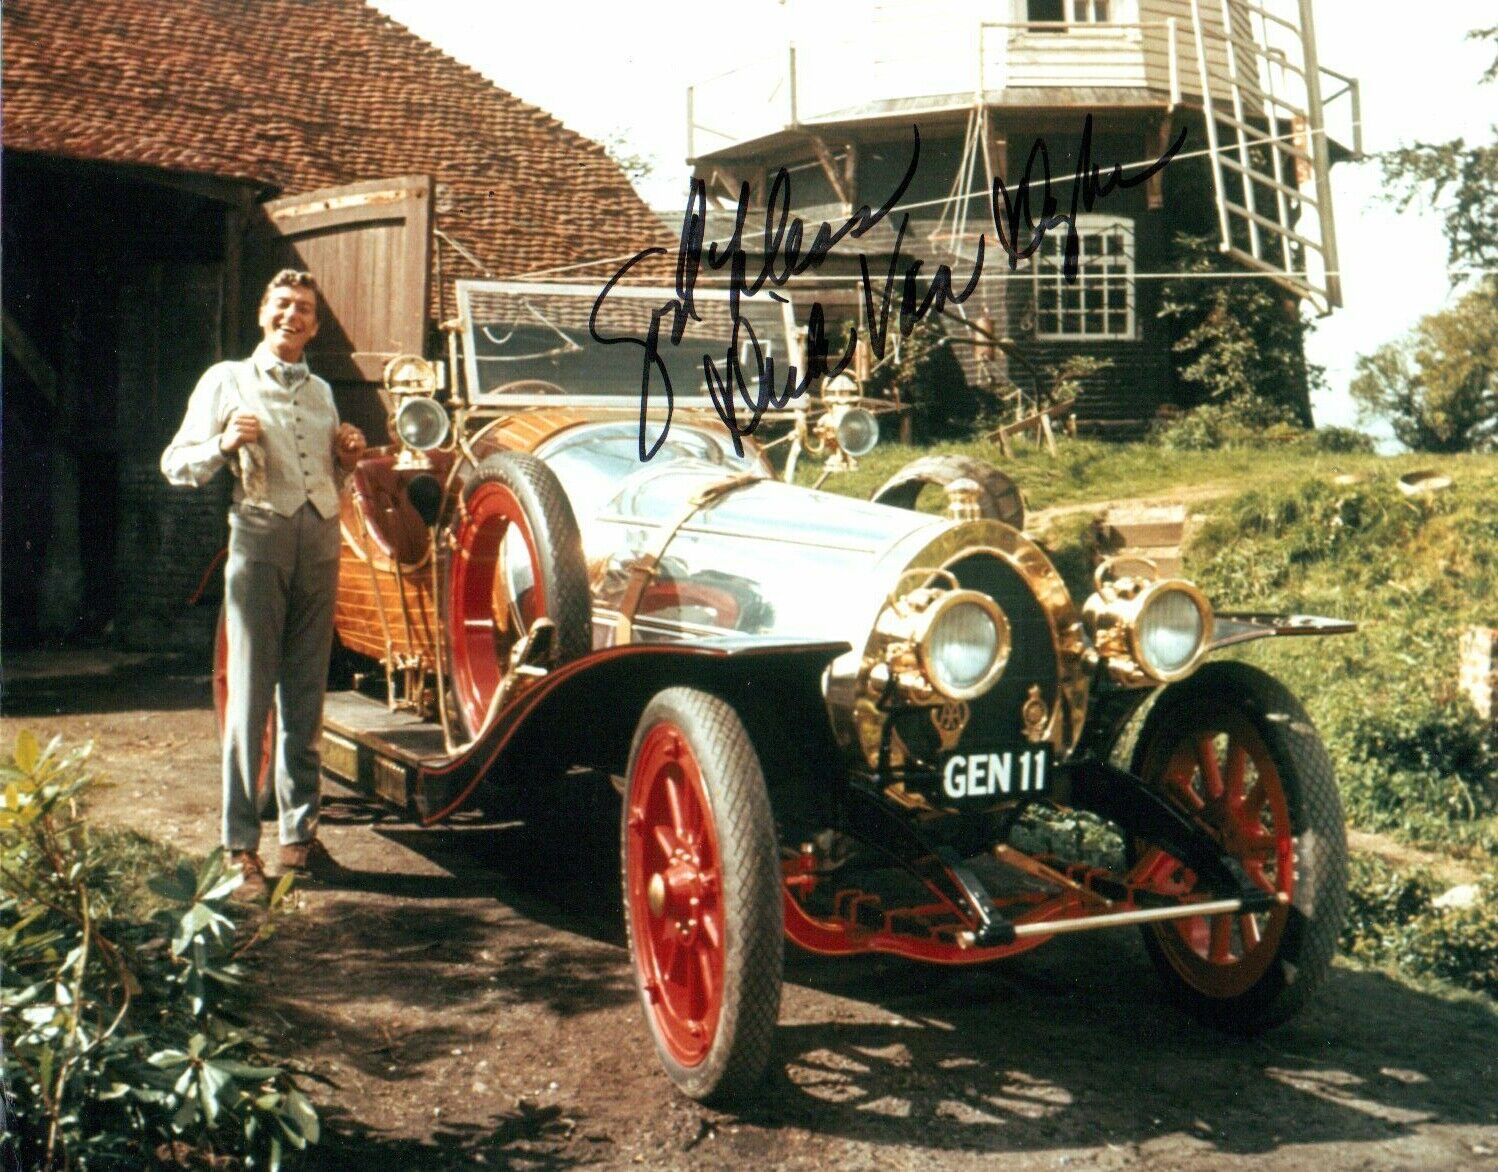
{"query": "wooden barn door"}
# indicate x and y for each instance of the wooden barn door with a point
(369, 245)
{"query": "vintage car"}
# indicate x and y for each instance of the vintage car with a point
(828, 717)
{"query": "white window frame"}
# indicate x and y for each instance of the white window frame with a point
(1093, 19)
(1090, 11)
(1097, 275)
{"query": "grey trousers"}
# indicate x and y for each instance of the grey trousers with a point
(279, 585)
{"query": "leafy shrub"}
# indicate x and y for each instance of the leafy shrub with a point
(1337, 441)
(1392, 920)
(121, 1053)
(1236, 342)
(1242, 422)
(1424, 755)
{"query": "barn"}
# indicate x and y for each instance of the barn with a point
(160, 160)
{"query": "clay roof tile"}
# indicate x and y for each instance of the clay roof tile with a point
(216, 87)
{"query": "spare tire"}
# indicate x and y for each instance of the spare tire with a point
(519, 557)
(999, 497)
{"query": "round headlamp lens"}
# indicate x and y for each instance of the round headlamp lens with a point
(421, 424)
(1172, 629)
(857, 431)
(964, 648)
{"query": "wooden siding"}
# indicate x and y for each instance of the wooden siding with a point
(357, 611)
(369, 245)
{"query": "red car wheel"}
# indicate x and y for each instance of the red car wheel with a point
(701, 894)
(1234, 750)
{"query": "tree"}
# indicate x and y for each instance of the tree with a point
(636, 167)
(1463, 178)
(1439, 384)
(1237, 342)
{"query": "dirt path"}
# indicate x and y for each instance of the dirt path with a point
(1192, 495)
(466, 1002)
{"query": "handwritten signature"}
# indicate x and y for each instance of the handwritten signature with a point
(785, 254)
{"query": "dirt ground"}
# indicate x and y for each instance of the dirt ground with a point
(465, 1001)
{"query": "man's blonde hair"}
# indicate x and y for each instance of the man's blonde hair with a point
(293, 279)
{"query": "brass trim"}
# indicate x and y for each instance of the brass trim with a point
(1113, 617)
(949, 720)
(1063, 728)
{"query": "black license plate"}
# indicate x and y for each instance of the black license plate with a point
(1006, 773)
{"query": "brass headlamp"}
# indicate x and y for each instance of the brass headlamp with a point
(940, 644)
(1148, 630)
(847, 430)
(418, 422)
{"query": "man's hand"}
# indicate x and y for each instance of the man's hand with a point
(348, 445)
(243, 428)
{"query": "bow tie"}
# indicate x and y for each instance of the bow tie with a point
(289, 374)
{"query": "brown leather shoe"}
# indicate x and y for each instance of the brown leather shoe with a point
(254, 888)
(310, 860)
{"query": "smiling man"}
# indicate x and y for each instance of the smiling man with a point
(274, 424)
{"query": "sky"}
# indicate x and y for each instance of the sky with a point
(616, 71)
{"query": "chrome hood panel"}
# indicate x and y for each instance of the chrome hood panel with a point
(770, 559)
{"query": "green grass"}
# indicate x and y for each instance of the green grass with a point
(1090, 470)
(1415, 574)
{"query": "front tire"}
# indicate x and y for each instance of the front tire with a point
(1234, 749)
(702, 894)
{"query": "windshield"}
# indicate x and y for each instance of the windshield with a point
(519, 332)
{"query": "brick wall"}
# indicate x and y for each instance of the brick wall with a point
(167, 537)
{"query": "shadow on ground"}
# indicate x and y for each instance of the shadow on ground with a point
(66, 683)
(1076, 1047)
(530, 1136)
(1072, 1046)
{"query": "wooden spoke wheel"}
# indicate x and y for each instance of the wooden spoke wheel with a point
(265, 786)
(702, 894)
(518, 558)
(1234, 750)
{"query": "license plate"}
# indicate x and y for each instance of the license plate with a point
(1011, 773)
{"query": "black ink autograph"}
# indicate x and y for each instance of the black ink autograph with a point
(785, 255)
(1089, 186)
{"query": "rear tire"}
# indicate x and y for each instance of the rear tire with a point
(1233, 748)
(999, 497)
(702, 894)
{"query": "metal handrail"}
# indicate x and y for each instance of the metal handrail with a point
(1151, 43)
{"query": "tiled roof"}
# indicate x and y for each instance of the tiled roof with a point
(302, 94)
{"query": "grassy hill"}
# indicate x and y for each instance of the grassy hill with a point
(1274, 529)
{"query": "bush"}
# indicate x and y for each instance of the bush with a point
(1337, 441)
(929, 378)
(1243, 422)
(1392, 920)
(1235, 341)
(114, 1017)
